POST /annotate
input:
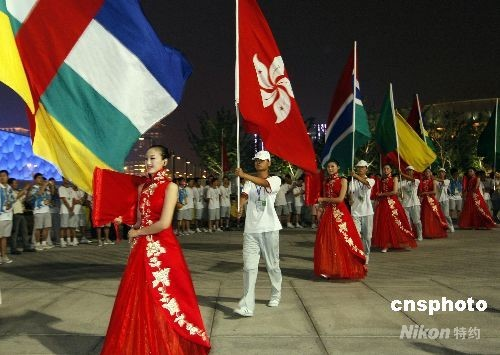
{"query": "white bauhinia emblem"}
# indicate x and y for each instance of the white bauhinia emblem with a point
(275, 88)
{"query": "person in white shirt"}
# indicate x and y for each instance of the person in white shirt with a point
(410, 200)
(187, 210)
(225, 202)
(213, 197)
(455, 194)
(198, 205)
(7, 200)
(289, 199)
(20, 241)
(41, 199)
(360, 189)
(68, 219)
(81, 215)
(298, 194)
(443, 186)
(261, 233)
(281, 204)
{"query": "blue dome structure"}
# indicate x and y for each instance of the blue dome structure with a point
(16, 156)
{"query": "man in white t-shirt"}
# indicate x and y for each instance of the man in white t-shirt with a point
(289, 198)
(7, 200)
(41, 199)
(443, 186)
(281, 204)
(187, 210)
(213, 197)
(261, 233)
(225, 202)
(198, 205)
(360, 190)
(410, 200)
(455, 194)
(298, 199)
(68, 218)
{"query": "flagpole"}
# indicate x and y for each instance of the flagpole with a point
(354, 104)
(420, 120)
(495, 149)
(236, 103)
(395, 129)
(222, 153)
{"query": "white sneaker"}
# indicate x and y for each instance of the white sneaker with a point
(209, 231)
(314, 226)
(109, 242)
(84, 241)
(298, 226)
(100, 243)
(190, 232)
(367, 259)
(244, 312)
(62, 244)
(47, 246)
(6, 260)
(274, 302)
(75, 242)
(38, 247)
(198, 230)
(219, 230)
(289, 225)
(205, 230)
(452, 229)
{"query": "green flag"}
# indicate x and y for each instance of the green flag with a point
(488, 144)
(385, 133)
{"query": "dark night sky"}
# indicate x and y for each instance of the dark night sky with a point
(443, 50)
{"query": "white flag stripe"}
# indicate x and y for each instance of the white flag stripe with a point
(20, 9)
(122, 76)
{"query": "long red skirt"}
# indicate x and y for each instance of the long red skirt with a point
(391, 228)
(334, 255)
(475, 212)
(433, 220)
(156, 311)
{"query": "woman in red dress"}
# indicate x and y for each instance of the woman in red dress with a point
(391, 228)
(156, 311)
(475, 213)
(433, 220)
(338, 250)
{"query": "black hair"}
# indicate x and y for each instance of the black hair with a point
(10, 181)
(165, 154)
(336, 162)
(37, 175)
(5, 172)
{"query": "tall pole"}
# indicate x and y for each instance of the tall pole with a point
(395, 129)
(495, 149)
(355, 74)
(236, 103)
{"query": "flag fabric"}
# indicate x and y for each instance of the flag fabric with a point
(416, 121)
(394, 134)
(489, 138)
(98, 78)
(347, 119)
(264, 92)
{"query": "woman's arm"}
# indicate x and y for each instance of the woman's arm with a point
(167, 213)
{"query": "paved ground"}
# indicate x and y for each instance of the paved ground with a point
(59, 301)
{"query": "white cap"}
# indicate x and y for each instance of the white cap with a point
(262, 155)
(442, 169)
(362, 163)
(409, 167)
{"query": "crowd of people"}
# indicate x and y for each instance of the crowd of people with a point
(41, 215)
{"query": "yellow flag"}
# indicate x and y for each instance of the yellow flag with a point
(12, 72)
(412, 148)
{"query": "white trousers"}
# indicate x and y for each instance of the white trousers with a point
(254, 244)
(445, 206)
(413, 215)
(364, 225)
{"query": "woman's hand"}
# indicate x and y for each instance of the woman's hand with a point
(133, 233)
(118, 220)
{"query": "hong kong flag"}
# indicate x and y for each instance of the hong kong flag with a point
(266, 98)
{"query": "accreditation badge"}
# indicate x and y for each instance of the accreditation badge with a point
(261, 205)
